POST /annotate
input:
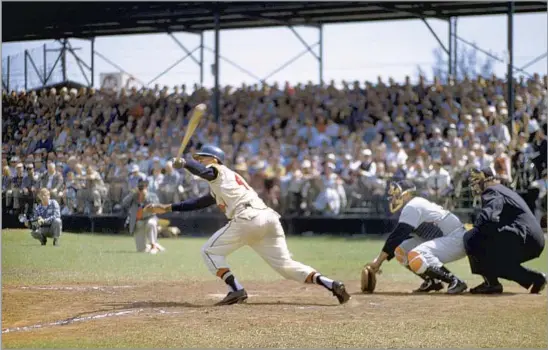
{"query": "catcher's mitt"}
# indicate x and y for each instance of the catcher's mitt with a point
(369, 280)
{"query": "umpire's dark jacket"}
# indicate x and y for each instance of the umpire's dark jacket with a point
(505, 233)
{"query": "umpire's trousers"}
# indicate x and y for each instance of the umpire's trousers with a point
(499, 254)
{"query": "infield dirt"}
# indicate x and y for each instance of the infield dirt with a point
(282, 314)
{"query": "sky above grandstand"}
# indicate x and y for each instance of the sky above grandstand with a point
(359, 51)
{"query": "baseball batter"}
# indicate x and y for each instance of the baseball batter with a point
(426, 237)
(251, 223)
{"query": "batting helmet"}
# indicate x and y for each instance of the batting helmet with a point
(211, 151)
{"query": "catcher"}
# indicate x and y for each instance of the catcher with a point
(426, 237)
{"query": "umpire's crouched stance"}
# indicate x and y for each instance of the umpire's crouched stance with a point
(46, 219)
(505, 235)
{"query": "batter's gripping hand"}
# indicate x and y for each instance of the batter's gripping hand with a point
(179, 163)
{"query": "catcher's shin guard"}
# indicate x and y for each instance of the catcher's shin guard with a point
(443, 274)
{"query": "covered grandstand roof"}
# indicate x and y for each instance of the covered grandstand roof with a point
(23, 21)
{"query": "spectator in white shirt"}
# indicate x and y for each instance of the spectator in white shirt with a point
(500, 132)
(396, 153)
(438, 181)
(328, 201)
(483, 159)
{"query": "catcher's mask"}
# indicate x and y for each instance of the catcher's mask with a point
(477, 179)
(396, 193)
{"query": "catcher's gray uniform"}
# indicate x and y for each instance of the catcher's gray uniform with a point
(437, 238)
(142, 226)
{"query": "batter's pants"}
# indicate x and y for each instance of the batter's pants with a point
(418, 254)
(264, 234)
(145, 229)
(51, 231)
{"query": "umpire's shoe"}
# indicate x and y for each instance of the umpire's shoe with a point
(56, 242)
(237, 297)
(339, 290)
(539, 285)
(43, 240)
(429, 285)
(485, 288)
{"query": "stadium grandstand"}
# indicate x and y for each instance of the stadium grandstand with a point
(324, 152)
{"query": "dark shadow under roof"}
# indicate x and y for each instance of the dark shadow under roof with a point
(22, 21)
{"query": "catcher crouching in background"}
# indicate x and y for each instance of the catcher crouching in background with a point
(427, 237)
(45, 221)
(505, 235)
(143, 226)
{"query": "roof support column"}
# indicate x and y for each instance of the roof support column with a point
(320, 56)
(451, 38)
(201, 59)
(510, 65)
(92, 68)
(216, 92)
(455, 50)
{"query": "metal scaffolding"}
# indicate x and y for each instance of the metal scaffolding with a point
(315, 49)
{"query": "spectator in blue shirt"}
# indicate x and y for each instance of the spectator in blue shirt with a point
(47, 219)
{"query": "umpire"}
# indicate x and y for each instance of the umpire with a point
(505, 235)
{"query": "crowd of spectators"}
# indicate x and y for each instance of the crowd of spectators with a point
(304, 148)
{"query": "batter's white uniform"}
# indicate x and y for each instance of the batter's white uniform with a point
(437, 238)
(251, 223)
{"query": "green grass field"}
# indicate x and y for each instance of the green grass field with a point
(168, 298)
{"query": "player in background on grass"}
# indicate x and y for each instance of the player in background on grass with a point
(505, 235)
(142, 225)
(251, 223)
(426, 237)
(46, 219)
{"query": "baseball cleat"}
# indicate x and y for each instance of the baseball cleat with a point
(485, 288)
(539, 285)
(159, 247)
(339, 290)
(429, 285)
(237, 297)
(43, 240)
(456, 287)
(148, 247)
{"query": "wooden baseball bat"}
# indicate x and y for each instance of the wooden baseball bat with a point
(197, 115)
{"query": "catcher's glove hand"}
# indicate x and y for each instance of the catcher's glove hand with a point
(368, 279)
(179, 163)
